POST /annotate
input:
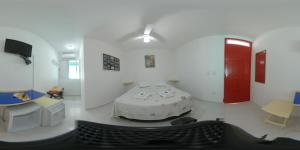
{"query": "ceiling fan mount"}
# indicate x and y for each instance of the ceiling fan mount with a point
(147, 37)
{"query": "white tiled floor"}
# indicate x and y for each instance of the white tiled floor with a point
(245, 115)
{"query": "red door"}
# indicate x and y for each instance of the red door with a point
(237, 70)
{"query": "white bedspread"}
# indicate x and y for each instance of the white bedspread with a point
(152, 103)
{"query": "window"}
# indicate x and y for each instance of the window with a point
(237, 42)
(74, 69)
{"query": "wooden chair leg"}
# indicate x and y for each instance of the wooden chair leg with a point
(285, 121)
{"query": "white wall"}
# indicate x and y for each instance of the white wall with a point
(136, 71)
(82, 77)
(71, 86)
(15, 74)
(200, 68)
(100, 86)
(198, 65)
(282, 65)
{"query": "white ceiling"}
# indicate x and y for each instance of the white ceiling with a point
(178, 21)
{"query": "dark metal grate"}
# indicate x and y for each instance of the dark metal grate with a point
(201, 135)
(198, 135)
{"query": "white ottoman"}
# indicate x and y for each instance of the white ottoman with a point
(53, 111)
(22, 117)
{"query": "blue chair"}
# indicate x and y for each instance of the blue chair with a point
(297, 99)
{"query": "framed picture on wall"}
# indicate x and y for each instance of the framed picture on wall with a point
(111, 63)
(149, 61)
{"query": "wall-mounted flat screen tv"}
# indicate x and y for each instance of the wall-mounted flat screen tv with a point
(18, 47)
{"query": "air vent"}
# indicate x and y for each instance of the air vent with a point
(68, 55)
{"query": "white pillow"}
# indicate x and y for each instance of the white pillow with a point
(161, 84)
(143, 84)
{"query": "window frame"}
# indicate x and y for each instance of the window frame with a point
(239, 42)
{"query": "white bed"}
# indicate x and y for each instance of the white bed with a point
(152, 102)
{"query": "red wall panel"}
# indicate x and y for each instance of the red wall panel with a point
(260, 67)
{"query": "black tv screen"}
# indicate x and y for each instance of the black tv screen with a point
(18, 47)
